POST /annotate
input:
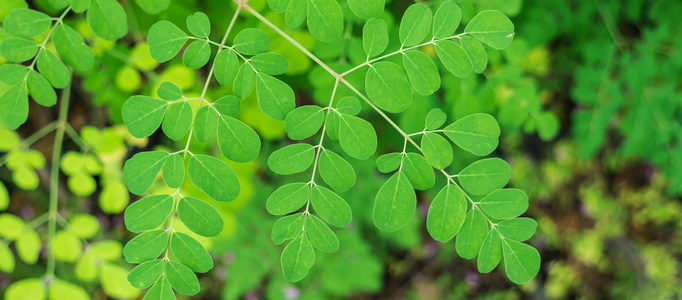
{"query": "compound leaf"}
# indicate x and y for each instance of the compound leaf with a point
(422, 72)
(519, 229)
(165, 40)
(437, 150)
(146, 246)
(325, 19)
(53, 69)
(418, 171)
(72, 48)
(226, 65)
(476, 53)
(181, 278)
(148, 213)
(27, 23)
(435, 119)
(297, 258)
(454, 58)
(18, 49)
(139, 172)
(387, 87)
(336, 171)
(227, 105)
(521, 262)
(476, 133)
(484, 176)
(177, 120)
(275, 98)
(389, 162)
(374, 36)
(287, 198)
(107, 19)
(199, 216)
(190, 252)
(251, 41)
(198, 24)
(237, 141)
(446, 19)
(357, 137)
(471, 235)
(291, 159)
(415, 24)
(270, 63)
(491, 27)
(146, 273)
(214, 177)
(244, 80)
(40, 90)
(394, 204)
(320, 236)
(287, 227)
(205, 124)
(505, 203)
(13, 97)
(304, 121)
(169, 91)
(330, 206)
(143, 114)
(490, 254)
(196, 55)
(446, 213)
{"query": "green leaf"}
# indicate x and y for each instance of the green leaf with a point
(304, 121)
(148, 213)
(296, 13)
(348, 105)
(200, 217)
(161, 290)
(389, 162)
(29, 288)
(28, 246)
(80, 6)
(492, 28)
(4, 195)
(198, 24)
(325, 20)
(237, 141)
(53, 69)
(251, 41)
(279, 6)
(143, 114)
(422, 72)
(18, 49)
(446, 19)
(287, 198)
(331, 122)
(72, 48)
(330, 206)
(366, 9)
(275, 98)
(291, 159)
(243, 82)
(169, 91)
(7, 259)
(491, 252)
(521, 262)
(437, 150)
(190, 252)
(165, 40)
(225, 66)
(394, 204)
(336, 171)
(84, 225)
(505, 203)
(519, 229)
(63, 290)
(414, 25)
(374, 36)
(107, 19)
(320, 236)
(418, 171)
(26, 23)
(476, 133)
(446, 213)
(139, 172)
(174, 170)
(484, 176)
(547, 125)
(13, 97)
(471, 235)
(205, 124)
(146, 273)
(153, 7)
(146, 246)
(454, 58)
(196, 55)
(387, 87)
(357, 137)
(270, 63)
(227, 105)
(177, 120)
(213, 177)
(11, 226)
(435, 119)
(477, 55)
(286, 228)
(181, 278)
(297, 258)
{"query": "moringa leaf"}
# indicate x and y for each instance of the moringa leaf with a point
(374, 36)
(198, 24)
(275, 98)
(418, 171)
(225, 66)
(169, 91)
(453, 58)
(415, 24)
(330, 206)
(200, 217)
(387, 87)
(181, 278)
(366, 9)
(165, 40)
(196, 55)
(72, 48)
(288, 198)
(336, 171)
(325, 20)
(446, 213)
(394, 204)
(435, 119)
(294, 158)
(518, 229)
(389, 162)
(471, 235)
(476, 53)
(521, 262)
(437, 150)
(146, 246)
(297, 258)
(287, 227)
(213, 177)
(270, 63)
(484, 176)
(422, 72)
(143, 114)
(205, 124)
(148, 213)
(492, 28)
(251, 41)
(53, 69)
(244, 80)
(107, 19)
(505, 203)
(320, 236)
(177, 120)
(490, 254)
(357, 137)
(140, 171)
(146, 273)
(237, 141)
(476, 133)
(26, 23)
(174, 170)
(446, 19)
(18, 49)
(304, 121)
(190, 252)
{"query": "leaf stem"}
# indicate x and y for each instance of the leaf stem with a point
(54, 181)
(42, 132)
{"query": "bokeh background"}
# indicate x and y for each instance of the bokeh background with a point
(589, 98)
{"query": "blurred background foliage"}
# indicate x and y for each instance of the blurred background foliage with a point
(589, 100)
